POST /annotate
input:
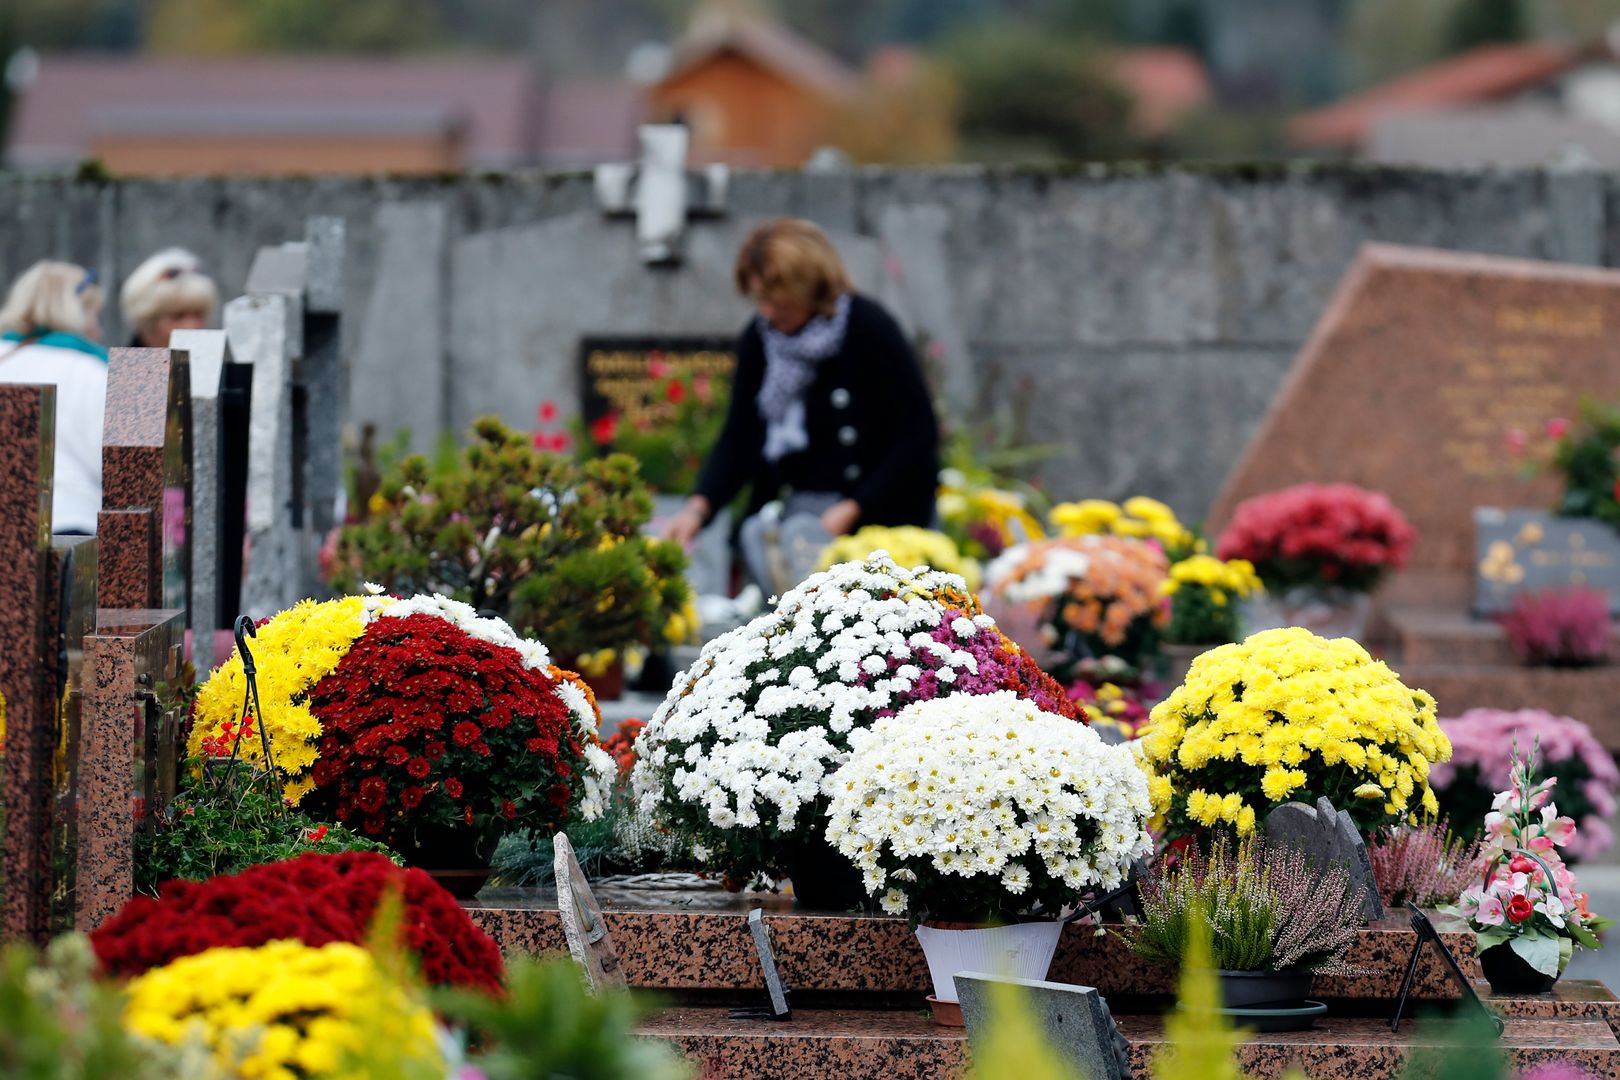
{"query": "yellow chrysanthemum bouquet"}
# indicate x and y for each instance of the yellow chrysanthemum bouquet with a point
(1288, 716)
(1204, 593)
(1139, 517)
(907, 545)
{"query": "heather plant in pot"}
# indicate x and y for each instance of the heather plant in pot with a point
(983, 818)
(1523, 907)
(1278, 919)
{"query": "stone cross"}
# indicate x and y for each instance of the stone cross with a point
(145, 518)
(589, 942)
(1075, 1019)
(209, 352)
(659, 192)
(1328, 838)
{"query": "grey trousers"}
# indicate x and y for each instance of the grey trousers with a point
(782, 543)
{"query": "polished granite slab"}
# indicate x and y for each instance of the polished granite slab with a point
(699, 941)
(906, 1045)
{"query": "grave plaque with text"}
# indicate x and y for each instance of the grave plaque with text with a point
(1528, 550)
(1415, 378)
(629, 377)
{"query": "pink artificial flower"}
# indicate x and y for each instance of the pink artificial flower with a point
(1491, 912)
(1557, 427)
(1560, 830)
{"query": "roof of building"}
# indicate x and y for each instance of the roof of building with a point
(495, 105)
(720, 28)
(1485, 74)
(1165, 84)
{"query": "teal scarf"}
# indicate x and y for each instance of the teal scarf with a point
(56, 339)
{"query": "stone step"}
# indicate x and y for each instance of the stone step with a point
(679, 949)
(905, 1045)
(1590, 695)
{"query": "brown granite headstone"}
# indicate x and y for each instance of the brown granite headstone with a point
(1413, 379)
(130, 753)
(27, 449)
(146, 480)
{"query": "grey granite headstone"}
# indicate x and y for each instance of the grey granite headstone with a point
(325, 243)
(589, 942)
(1328, 838)
(1075, 1019)
(260, 329)
(1522, 550)
(210, 351)
(767, 962)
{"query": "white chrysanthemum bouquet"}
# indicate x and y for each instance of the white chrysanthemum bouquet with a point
(984, 809)
(736, 761)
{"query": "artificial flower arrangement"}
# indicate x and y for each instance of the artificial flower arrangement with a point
(1139, 516)
(1094, 595)
(1483, 742)
(1272, 910)
(1317, 536)
(1523, 908)
(737, 761)
(314, 899)
(907, 545)
(554, 547)
(1289, 716)
(1204, 592)
(416, 722)
(986, 811)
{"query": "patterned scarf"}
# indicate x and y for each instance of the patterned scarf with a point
(791, 362)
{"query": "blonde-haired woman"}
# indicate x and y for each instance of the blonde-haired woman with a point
(828, 402)
(167, 292)
(49, 333)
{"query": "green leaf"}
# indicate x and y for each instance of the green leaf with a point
(1488, 938)
(1539, 952)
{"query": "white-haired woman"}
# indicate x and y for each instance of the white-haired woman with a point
(49, 333)
(167, 292)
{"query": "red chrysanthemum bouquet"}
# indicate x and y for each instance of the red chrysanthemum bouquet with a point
(425, 726)
(315, 899)
(1319, 535)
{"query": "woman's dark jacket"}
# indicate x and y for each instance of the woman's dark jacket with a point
(871, 426)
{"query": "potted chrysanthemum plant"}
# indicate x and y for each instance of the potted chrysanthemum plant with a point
(984, 819)
(1278, 920)
(1525, 912)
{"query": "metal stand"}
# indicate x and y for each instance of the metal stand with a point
(1426, 932)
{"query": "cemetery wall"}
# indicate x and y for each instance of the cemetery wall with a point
(1143, 317)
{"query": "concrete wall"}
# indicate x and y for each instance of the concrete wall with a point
(1144, 318)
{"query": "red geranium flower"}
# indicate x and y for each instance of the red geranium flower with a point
(548, 411)
(1519, 909)
(509, 808)
(604, 429)
(675, 391)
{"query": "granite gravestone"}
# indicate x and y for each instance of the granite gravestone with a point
(589, 942)
(1075, 1019)
(1329, 839)
(287, 328)
(1525, 550)
(27, 452)
(1416, 375)
(145, 519)
(71, 619)
(209, 353)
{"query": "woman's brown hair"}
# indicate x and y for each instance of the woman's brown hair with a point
(792, 258)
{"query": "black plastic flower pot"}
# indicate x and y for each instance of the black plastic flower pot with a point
(1255, 989)
(1510, 973)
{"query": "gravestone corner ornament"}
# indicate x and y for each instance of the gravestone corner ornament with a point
(589, 942)
(1328, 838)
(660, 193)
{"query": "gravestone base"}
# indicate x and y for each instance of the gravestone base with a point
(1466, 663)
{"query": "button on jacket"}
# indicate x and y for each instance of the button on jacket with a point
(871, 427)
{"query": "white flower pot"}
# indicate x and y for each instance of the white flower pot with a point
(1019, 951)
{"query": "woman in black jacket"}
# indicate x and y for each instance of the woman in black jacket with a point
(828, 405)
